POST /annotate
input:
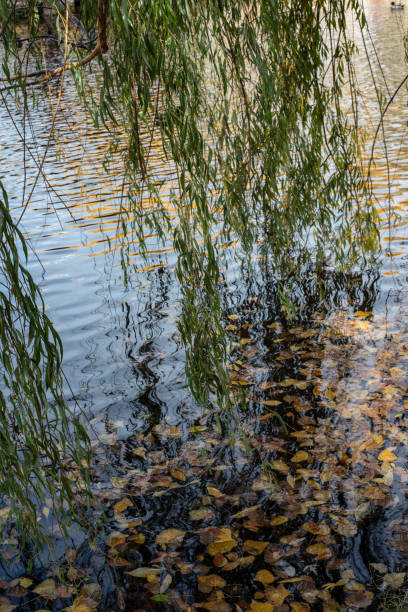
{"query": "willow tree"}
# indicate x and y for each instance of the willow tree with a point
(247, 98)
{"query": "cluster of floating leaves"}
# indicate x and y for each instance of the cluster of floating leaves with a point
(273, 521)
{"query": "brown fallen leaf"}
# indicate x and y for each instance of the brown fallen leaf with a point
(258, 606)
(215, 492)
(143, 572)
(320, 551)
(277, 595)
(170, 537)
(316, 528)
(207, 583)
(46, 589)
(297, 606)
(178, 475)
(223, 543)
(300, 456)
(395, 581)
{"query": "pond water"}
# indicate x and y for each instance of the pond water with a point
(312, 518)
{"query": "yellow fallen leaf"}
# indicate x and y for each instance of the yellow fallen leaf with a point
(277, 595)
(300, 456)
(178, 474)
(258, 606)
(254, 547)
(199, 514)
(172, 537)
(207, 583)
(46, 589)
(26, 582)
(316, 528)
(115, 538)
(120, 506)
(214, 492)
(271, 403)
(280, 466)
(387, 455)
(278, 520)
(265, 577)
(297, 606)
(320, 551)
(224, 542)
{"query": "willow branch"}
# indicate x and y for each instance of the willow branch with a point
(99, 48)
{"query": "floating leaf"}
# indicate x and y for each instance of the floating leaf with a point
(278, 520)
(345, 527)
(143, 572)
(172, 537)
(387, 455)
(215, 492)
(300, 456)
(297, 606)
(280, 466)
(207, 583)
(46, 589)
(257, 606)
(265, 577)
(277, 595)
(199, 514)
(178, 474)
(254, 547)
(223, 543)
(271, 403)
(316, 528)
(120, 506)
(395, 581)
(115, 538)
(320, 551)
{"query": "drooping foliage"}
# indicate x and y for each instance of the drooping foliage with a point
(43, 447)
(245, 96)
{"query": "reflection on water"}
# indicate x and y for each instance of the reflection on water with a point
(317, 506)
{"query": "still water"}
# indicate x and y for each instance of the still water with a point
(312, 519)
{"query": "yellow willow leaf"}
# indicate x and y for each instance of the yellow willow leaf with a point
(300, 456)
(297, 606)
(178, 474)
(115, 538)
(254, 547)
(319, 550)
(387, 455)
(209, 582)
(26, 582)
(172, 537)
(278, 520)
(316, 528)
(258, 606)
(214, 492)
(224, 542)
(120, 506)
(143, 572)
(280, 466)
(246, 511)
(277, 596)
(271, 403)
(199, 514)
(265, 577)
(233, 317)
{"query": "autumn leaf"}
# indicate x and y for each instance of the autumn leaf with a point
(46, 589)
(215, 492)
(223, 543)
(271, 403)
(297, 606)
(345, 527)
(115, 538)
(300, 456)
(120, 506)
(395, 581)
(265, 577)
(170, 537)
(316, 528)
(320, 551)
(207, 583)
(178, 474)
(257, 606)
(387, 455)
(277, 595)
(143, 572)
(278, 520)
(254, 547)
(199, 514)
